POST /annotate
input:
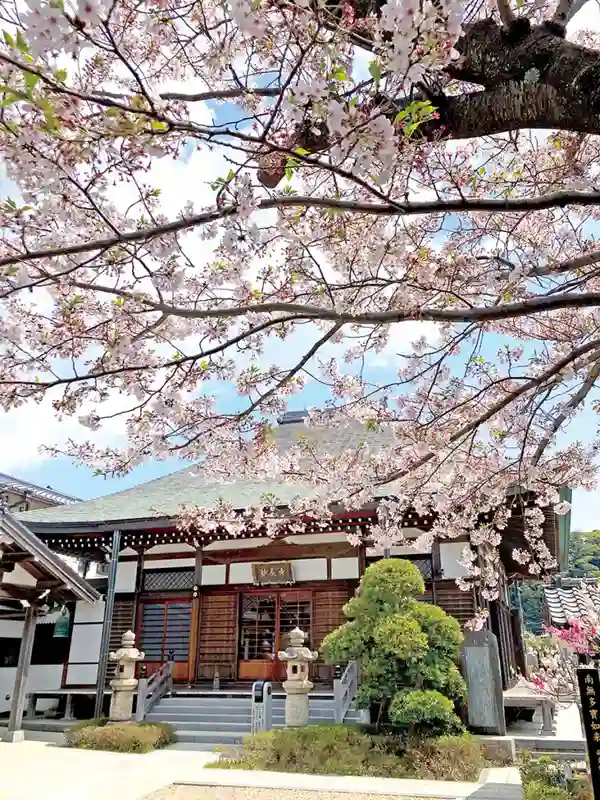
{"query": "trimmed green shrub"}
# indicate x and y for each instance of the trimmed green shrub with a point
(429, 712)
(346, 750)
(120, 738)
(403, 646)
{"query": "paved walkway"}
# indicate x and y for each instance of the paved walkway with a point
(39, 770)
(32, 770)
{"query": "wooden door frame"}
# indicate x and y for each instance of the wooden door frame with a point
(165, 600)
(279, 593)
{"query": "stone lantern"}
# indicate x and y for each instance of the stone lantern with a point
(297, 686)
(124, 683)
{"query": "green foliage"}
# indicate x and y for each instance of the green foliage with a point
(584, 554)
(345, 750)
(533, 604)
(547, 779)
(429, 711)
(97, 734)
(96, 722)
(403, 646)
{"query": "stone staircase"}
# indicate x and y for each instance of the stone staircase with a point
(209, 719)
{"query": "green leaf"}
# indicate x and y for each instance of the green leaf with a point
(61, 75)
(31, 81)
(22, 45)
(375, 70)
(338, 74)
(157, 125)
(12, 97)
(8, 39)
(302, 151)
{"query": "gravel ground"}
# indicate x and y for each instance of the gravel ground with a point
(230, 793)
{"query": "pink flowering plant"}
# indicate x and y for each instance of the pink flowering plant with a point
(555, 673)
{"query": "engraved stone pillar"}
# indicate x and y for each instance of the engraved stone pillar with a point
(297, 686)
(484, 682)
(124, 683)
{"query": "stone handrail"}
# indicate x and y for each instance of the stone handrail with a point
(344, 691)
(150, 690)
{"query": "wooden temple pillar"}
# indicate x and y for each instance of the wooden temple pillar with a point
(195, 620)
(15, 732)
(109, 604)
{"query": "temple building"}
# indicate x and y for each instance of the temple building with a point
(220, 607)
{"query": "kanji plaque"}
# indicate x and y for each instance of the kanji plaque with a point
(274, 572)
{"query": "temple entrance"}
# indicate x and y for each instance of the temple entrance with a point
(265, 620)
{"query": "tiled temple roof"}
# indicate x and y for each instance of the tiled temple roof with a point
(8, 483)
(572, 598)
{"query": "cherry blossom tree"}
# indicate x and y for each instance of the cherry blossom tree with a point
(408, 177)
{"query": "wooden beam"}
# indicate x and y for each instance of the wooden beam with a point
(19, 557)
(51, 583)
(17, 706)
(15, 591)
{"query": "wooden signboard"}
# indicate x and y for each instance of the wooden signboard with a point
(589, 691)
(272, 573)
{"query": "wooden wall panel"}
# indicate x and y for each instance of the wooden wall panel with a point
(217, 637)
(454, 601)
(327, 616)
(123, 620)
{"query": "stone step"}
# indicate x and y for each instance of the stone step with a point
(210, 738)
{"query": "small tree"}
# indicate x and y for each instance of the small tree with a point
(408, 651)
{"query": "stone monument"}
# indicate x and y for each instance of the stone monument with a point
(297, 686)
(481, 660)
(124, 683)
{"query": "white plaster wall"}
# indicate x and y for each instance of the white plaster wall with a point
(89, 612)
(213, 574)
(85, 643)
(316, 538)
(403, 550)
(450, 552)
(310, 569)
(170, 563)
(81, 674)
(126, 574)
(41, 676)
(238, 544)
(18, 575)
(344, 568)
(240, 573)
(170, 548)
(11, 629)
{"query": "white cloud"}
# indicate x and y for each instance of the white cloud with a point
(24, 430)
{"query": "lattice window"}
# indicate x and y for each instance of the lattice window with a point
(294, 612)
(422, 563)
(258, 631)
(168, 580)
(424, 566)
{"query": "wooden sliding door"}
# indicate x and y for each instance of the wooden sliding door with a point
(164, 634)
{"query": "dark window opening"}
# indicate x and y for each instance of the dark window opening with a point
(9, 652)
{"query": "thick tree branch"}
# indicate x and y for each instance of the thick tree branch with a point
(394, 208)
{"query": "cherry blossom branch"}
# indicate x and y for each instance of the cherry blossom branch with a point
(572, 405)
(395, 208)
(534, 383)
